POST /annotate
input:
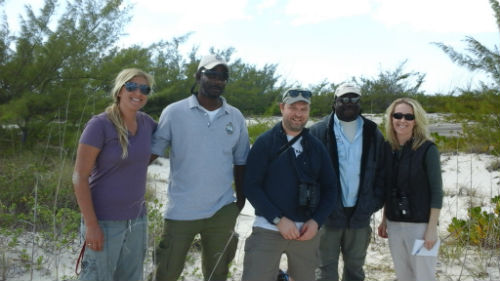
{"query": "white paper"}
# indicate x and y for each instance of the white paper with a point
(420, 250)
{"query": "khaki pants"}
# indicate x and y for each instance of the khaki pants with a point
(215, 233)
(263, 250)
(402, 236)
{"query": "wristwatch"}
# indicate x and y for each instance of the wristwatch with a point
(276, 220)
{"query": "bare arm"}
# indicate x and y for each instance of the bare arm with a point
(382, 228)
(239, 171)
(431, 234)
(85, 161)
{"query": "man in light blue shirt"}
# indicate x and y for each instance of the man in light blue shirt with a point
(349, 138)
(208, 142)
(355, 147)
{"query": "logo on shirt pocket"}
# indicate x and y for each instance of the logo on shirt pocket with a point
(229, 128)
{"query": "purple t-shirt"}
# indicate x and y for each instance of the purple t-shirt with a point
(118, 185)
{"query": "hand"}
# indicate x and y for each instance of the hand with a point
(94, 237)
(288, 229)
(430, 237)
(308, 230)
(382, 229)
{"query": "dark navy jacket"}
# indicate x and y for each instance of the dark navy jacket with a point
(371, 184)
(271, 181)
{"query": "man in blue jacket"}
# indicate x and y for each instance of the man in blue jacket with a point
(354, 144)
(290, 181)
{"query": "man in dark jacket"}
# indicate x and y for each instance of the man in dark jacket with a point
(355, 146)
(289, 180)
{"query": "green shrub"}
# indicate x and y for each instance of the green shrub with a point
(36, 183)
(480, 229)
(449, 144)
(255, 130)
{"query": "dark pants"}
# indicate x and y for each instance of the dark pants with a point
(215, 233)
(353, 243)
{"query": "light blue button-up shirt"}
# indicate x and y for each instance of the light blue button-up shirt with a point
(349, 154)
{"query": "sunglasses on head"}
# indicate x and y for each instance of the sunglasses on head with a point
(213, 74)
(132, 86)
(407, 116)
(345, 100)
(296, 93)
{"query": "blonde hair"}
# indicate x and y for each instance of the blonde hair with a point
(420, 132)
(113, 111)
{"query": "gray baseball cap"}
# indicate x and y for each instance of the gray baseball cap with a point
(294, 95)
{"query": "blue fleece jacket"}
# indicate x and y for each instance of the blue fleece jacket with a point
(271, 181)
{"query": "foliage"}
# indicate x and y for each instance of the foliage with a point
(487, 112)
(449, 144)
(9, 240)
(36, 200)
(478, 56)
(173, 74)
(322, 99)
(257, 129)
(50, 70)
(378, 93)
(36, 188)
(250, 89)
(479, 113)
(436, 103)
(480, 229)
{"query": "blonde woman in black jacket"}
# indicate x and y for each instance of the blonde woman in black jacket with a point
(413, 195)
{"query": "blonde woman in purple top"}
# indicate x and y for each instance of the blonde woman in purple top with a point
(110, 181)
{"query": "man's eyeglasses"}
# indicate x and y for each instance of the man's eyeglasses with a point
(213, 74)
(132, 86)
(353, 100)
(407, 116)
(296, 93)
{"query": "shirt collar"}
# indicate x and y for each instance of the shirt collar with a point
(193, 103)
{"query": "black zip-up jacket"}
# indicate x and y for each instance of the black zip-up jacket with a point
(371, 184)
(406, 176)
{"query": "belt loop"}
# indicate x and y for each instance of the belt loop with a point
(129, 225)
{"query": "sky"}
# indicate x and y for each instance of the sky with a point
(319, 40)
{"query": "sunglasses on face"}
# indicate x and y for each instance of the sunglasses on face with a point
(407, 116)
(353, 100)
(132, 86)
(296, 93)
(216, 75)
